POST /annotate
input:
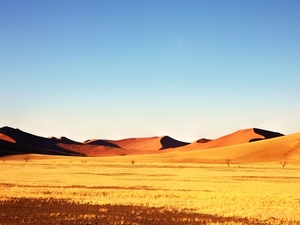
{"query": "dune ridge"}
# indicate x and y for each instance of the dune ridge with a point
(246, 145)
(238, 137)
(28, 143)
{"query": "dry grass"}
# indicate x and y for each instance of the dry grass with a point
(267, 192)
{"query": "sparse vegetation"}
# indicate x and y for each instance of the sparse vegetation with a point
(228, 162)
(149, 191)
(26, 159)
(132, 162)
(284, 163)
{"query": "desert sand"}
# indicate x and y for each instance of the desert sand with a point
(250, 176)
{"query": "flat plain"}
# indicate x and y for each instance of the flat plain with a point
(116, 190)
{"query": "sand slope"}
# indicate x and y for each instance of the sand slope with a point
(148, 143)
(284, 148)
(20, 142)
(238, 137)
(6, 138)
(243, 146)
(129, 146)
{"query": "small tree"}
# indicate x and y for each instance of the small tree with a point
(283, 163)
(26, 159)
(228, 161)
(132, 162)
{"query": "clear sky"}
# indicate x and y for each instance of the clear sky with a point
(136, 68)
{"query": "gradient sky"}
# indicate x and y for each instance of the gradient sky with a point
(136, 68)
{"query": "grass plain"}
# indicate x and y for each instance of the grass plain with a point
(258, 193)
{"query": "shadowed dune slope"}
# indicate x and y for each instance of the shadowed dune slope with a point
(27, 143)
(265, 133)
(238, 137)
(168, 142)
(8, 148)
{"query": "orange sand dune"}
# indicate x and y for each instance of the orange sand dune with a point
(6, 138)
(99, 148)
(129, 146)
(238, 137)
(284, 148)
(92, 150)
(149, 143)
(248, 145)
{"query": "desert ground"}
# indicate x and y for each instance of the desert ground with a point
(114, 190)
(251, 176)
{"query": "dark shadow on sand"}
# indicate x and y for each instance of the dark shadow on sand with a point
(31, 144)
(267, 134)
(168, 142)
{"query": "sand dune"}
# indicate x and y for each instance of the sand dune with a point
(238, 137)
(279, 149)
(284, 148)
(243, 146)
(148, 143)
(129, 146)
(29, 143)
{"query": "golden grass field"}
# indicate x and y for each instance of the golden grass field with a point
(267, 192)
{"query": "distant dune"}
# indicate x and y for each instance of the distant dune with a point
(238, 137)
(151, 143)
(24, 143)
(248, 145)
(282, 148)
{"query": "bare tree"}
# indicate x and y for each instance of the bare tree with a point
(228, 161)
(283, 163)
(26, 159)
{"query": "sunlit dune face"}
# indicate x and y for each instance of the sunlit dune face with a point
(6, 138)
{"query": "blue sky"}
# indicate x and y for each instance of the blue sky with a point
(118, 69)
